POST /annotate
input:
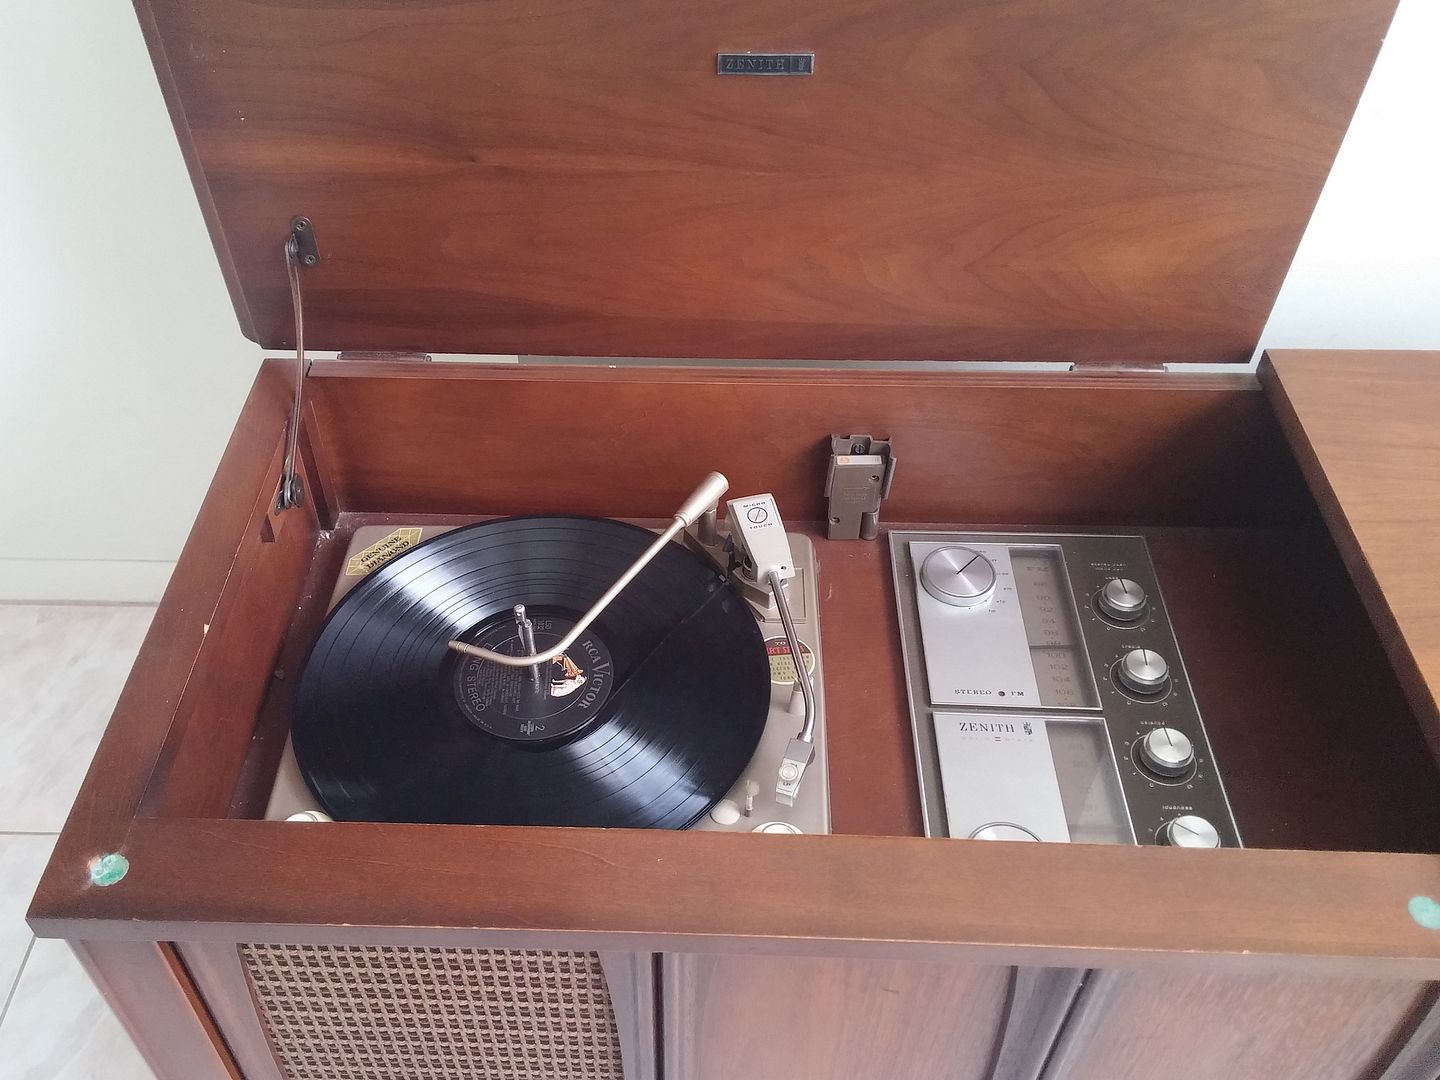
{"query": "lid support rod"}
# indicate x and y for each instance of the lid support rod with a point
(299, 248)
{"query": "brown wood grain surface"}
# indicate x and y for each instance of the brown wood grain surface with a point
(1275, 640)
(1130, 1025)
(1416, 1054)
(884, 895)
(982, 447)
(212, 728)
(1088, 181)
(1293, 685)
(226, 532)
(253, 765)
(1366, 431)
(829, 1018)
(219, 978)
(1039, 1005)
(1316, 743)
(149, 989)
(633, 981)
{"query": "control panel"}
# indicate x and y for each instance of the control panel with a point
(1048, 697)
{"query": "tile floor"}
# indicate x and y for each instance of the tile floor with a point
(61, 669)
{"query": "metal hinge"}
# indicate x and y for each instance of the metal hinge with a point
(303, 235)
(1122, 367)
(300, 250)
(357, 355)
(859, 477)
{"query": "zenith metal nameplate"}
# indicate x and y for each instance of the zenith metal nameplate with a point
(751, 63)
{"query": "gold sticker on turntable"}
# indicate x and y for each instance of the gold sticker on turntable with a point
(381, 552)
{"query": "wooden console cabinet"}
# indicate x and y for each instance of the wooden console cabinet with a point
(1107, 186)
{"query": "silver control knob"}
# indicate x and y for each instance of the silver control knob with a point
(958, 576)
(1143, 671)
(1123, 600)
(1189, 830)
(1003, 830)
(725, 812)
(777, 828)
(1167, 752)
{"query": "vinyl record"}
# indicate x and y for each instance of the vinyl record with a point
(645, 722)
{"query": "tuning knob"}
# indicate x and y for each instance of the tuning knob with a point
(1003, 830)
(1167, 753)
(958, 576)
(1144, 672)
(1123, 600)
(1189, 830)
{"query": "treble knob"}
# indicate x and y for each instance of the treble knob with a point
(1143, 672)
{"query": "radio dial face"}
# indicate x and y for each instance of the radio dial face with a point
(1144, 672)
(958, 576)
(1123, 601)
(1189, 830)
(1167, 752)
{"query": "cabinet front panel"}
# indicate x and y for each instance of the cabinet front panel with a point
(779, 1017)
(1143, 1025)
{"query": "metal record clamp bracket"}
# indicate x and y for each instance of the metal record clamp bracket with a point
(756, 554)
(300, 250)
(859, 477)
(762, 551)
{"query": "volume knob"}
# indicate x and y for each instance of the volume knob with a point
(1189, 830)
(1167, 752)
(1123, 600)
(1143, 671)
(958, 576)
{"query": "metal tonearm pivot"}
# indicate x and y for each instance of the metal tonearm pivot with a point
(700, 500)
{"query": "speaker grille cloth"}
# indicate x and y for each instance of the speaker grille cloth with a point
(339, 1012)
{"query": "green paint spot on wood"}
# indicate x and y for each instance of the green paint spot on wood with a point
(1425, 911)
(108, 869)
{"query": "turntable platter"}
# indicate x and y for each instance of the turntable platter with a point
(645, 722)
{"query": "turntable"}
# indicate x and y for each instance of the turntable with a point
(739, 217)
(674, 703)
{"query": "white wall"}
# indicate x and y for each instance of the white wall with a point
(1367, 273)
(123, 370)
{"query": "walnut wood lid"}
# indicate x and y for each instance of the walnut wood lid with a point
(1082, 180)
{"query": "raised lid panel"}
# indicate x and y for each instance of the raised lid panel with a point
(1363, 428)
(1083, 180)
